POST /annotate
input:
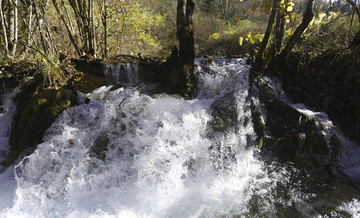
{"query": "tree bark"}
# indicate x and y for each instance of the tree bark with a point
(50, 41)
(178, 77)
(356, 8)
(185, 35)
(3, 24)
(29, 28)
(68, 28)
(308, 16)
(265, 40)
(15, 30)
(103, 8)
(279, 30)
(39, 24)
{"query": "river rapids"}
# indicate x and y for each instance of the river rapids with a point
(131, 154)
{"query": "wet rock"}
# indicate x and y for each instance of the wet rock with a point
(290, 135)
(36, 116)
(84, 64)
(327, 83)
(224, 113)
(86, 82)
(258, 123)
(2, 109)
(99, 147)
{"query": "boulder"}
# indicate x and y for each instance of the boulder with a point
(291, 136)
(36, 116)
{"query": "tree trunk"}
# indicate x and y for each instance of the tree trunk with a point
(51, 44)
(29, 28)
(279, 30)
(39, 24)
(3, 24)
(308, 16)
(356, 40)
(68, 28)
(356, 8)
(185, 35)
(15, 31)
(178, 77)
(103, 8)
(265, 40)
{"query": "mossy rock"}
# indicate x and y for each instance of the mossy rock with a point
(86, 82)
(291, 136)
(30, 124)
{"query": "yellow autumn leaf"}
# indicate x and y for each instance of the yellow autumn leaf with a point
(241, 40)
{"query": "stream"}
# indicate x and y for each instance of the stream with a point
(128, 153)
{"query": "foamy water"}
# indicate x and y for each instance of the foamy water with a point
(128, 154)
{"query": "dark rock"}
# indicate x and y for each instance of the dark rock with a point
(2, 109)
(258, 123)
(291, 135)
(99, 147)
(87, 66)
(36, 116)
(224, 113)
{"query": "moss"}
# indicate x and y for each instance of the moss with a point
(31, 123)
(258, 123)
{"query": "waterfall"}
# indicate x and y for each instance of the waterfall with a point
(7, 110)
(7, 180)
(127, 73)
(129, 154)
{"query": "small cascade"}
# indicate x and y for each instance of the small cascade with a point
(129, 154)
(7, 110)
(126, 73)
(345, 151)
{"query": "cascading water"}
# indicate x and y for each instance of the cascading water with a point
(128, 154)
(127, 73)
(7, 180)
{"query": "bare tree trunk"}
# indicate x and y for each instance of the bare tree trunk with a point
(308, 16)
(28, 25)
(71, 27)
(103, 8)
(92, 39)
(83, 11)
(51, 41)
(29, 28)
(10, 20)
(15, 29)
(68, 28)
(39, 24)
(3, 24)
(185, 35)
(356, 8)
(351, 22)
(179, 75)
(279, 30)
(265, 40)
(356, 40)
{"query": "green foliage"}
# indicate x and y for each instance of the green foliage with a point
(132, 28)
(329, 32)
(54, 73)
(235, 39)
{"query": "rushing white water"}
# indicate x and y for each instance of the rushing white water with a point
(127, 154)
(127, 73)
(7, 180)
